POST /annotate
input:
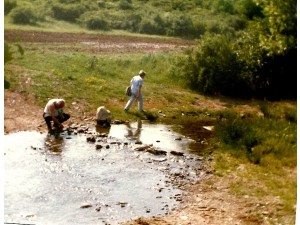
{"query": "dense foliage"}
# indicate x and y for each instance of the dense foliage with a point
(247, 48)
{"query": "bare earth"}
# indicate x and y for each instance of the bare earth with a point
(206, 202)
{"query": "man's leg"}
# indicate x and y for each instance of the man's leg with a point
(48, 122)
(129, 103)
(61, 120)
(66, 117)
(140, 103)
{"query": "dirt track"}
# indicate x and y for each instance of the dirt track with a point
(99, 42)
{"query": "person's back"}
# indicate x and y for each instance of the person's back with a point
(136, 83)
(51, 104)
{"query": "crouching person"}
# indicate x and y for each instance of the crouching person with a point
(103, 117)
(54, 112)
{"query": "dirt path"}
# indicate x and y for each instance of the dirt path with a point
(204, 202)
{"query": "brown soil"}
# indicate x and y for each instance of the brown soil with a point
(206, 202)
(97, 43)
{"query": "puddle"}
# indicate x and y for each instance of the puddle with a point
(66, 179)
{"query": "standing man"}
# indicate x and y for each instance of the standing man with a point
(54, 112)
(136, 91)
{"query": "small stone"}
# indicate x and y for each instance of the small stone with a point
(91, 139)
(177, 153)
(98, 147)
(86, 205)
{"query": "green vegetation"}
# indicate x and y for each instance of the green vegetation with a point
(247, 49)
(149, 17)
(267, 141)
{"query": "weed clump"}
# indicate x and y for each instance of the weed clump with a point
(265, 141)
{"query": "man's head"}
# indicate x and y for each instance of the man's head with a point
(60, 103)
(142, 73)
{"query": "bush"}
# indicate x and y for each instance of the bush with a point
(69, 1)
(237, 133)
(181, 26)
(260, 139)
(9, 5)
(70, 12)
(125, 4)
(132, 23)
(97, 23)
(214, 68)
(250, 9)
(11, 50)
(152, 25)
(23, 15)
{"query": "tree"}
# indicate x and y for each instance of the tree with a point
(278, 29)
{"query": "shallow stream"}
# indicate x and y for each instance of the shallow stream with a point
(65, 179)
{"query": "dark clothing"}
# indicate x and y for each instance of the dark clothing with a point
(104, 123)
(48, 120)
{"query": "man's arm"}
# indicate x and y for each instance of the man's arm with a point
(51, 109)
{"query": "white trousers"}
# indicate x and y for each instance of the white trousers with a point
(131, 100)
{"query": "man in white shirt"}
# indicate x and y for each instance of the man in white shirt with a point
(136, 91)
(54, 112)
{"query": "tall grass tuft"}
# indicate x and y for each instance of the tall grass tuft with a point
(268, 141)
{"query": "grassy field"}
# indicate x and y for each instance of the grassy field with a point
(259, 150)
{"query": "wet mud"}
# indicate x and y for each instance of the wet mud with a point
(92, 175)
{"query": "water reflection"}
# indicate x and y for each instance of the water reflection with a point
(102, 129)
(134, 133)
(54, 143)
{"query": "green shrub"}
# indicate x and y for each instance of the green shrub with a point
(69, 1)
(8, 54)
(152, 25)
(214, 68)
(291, 115)
(181, 26)
(96, 22)
(9, 5)
(223, 6)
(259, 139)
(69, 12)
(237, 133)
(250, 9)
(10, 50)
(241, 137)
(23, 15)
(227, 114)
(277, 111)
(125, 4)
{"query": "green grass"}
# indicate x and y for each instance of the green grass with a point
(96, 79)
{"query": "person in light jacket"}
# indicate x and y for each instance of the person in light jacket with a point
(136, 91)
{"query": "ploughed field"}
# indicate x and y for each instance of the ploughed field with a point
(98, 42)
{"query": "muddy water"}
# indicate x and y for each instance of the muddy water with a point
(64, 179)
